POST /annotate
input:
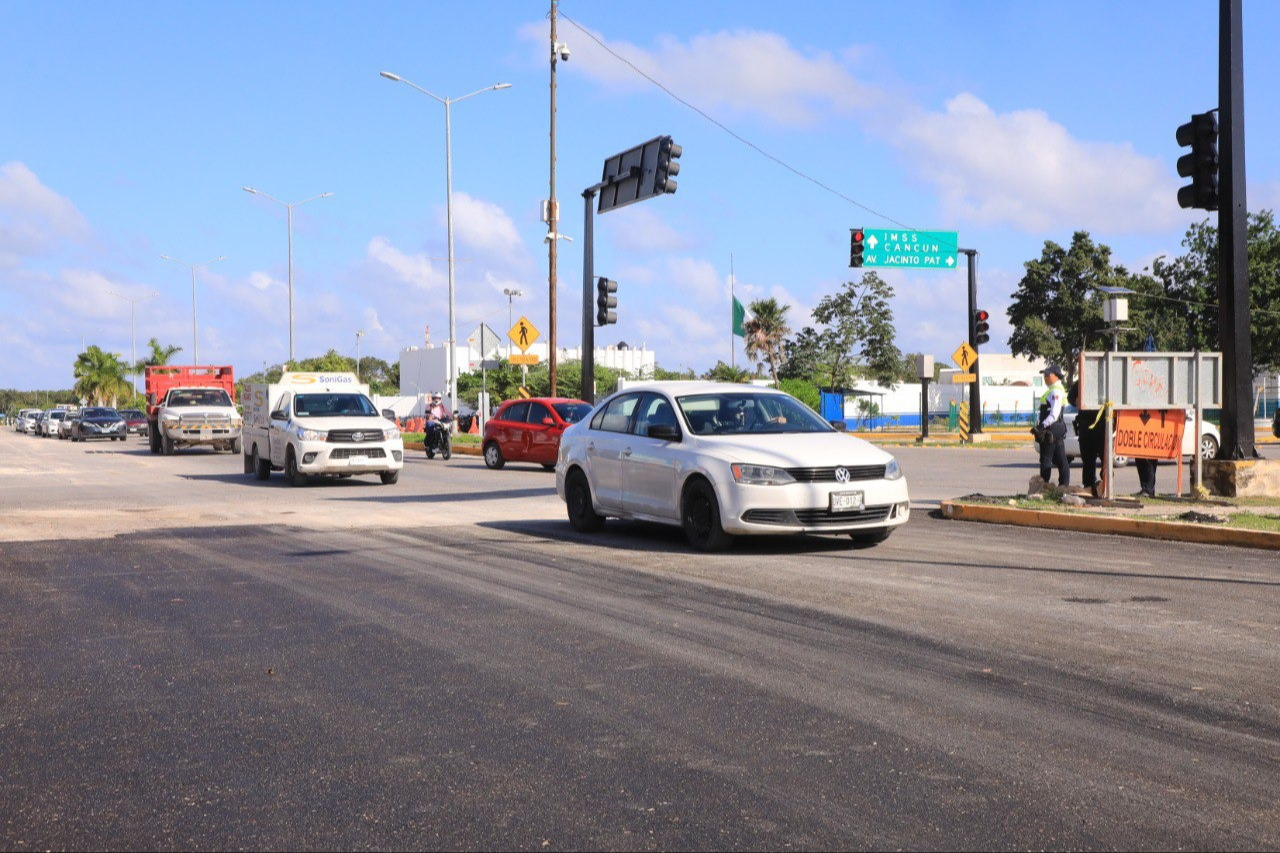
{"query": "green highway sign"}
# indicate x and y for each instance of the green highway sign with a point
(886, 247)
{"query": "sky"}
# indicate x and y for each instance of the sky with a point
(128, 129)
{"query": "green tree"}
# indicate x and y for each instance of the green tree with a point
(856, 337)
(662, 375)
(1186, 318)
(803, 390)
(1057, 309)
(727, 373)
(156, 355)
(100, 377)
(766, 334)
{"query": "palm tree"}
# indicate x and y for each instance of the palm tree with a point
(159, 355)
(766, 332)
(100, 376)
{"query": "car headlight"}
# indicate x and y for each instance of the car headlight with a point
(893, 471)
(311, 434)
(237, 422)
(388, 435)
(170, 419)
(760, 475)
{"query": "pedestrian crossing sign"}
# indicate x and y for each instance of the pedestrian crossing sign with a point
(964, 357)
(523, 334)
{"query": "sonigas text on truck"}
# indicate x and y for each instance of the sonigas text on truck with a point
(309, 424)
(192, 405)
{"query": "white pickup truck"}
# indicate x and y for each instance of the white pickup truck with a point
(318, 424)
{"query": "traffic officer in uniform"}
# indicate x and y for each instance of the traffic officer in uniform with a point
(1051, 430)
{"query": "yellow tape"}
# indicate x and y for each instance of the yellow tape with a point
(1101, 412)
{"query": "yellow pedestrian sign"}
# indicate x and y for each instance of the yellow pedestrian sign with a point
(523, 334)
(964, 357)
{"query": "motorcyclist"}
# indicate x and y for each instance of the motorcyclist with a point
(437, 421)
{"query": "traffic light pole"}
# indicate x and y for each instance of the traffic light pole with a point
(975, 392)
(588, 274)
(1233, 265)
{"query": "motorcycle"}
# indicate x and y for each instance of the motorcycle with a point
(438, 439)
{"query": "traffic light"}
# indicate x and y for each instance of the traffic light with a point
(1201, 165)
(856, 246)
(605, 300)
(981, 327)
(668, 167)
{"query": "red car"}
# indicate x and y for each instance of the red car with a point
(530, 430)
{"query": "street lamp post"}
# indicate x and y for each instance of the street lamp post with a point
(288, 207)
(511, 294)
(359, 335)
(133, 335)
(195, 340)
(448, 168)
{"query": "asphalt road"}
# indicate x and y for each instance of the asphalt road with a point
(444, 663)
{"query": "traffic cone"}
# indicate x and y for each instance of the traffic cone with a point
(475, 430)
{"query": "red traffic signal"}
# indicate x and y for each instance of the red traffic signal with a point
(856, 246)
(981, 327)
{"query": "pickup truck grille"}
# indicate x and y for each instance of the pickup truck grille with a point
(348, 436)
(201, 420)
(348, 452)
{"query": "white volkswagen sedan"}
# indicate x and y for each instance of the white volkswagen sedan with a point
(722, 460)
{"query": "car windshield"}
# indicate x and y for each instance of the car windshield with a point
(100, 413)
(571, 413)
(738, 412)
(334, 405)
(199, 397)
(57, 416)
(131, 414)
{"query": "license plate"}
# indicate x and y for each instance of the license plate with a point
(846, 501)
(357, 460)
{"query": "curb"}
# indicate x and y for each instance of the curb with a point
(1169, 530)
(463, 449)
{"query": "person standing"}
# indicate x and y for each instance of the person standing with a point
(1089, 428)
(1051, 430)
(1146, 477)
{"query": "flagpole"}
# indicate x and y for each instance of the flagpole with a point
(733, 348)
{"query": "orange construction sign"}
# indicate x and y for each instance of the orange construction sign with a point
(1150, 433)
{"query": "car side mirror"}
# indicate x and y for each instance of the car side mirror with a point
(665, 432)
(389, 414)
(279, 416)
(840, 425)
(548, 422)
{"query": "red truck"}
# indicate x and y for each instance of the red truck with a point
(193, 405)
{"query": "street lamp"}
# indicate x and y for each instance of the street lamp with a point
(511, 294)
(289, 208)
(195, 341)
(448, 167)
(133, 335)
(359, 335)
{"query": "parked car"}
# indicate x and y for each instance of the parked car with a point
(98, 422)
(25, 420)
(1210, 438)
(530, 430)
(52, 419)
(135, 421)
(722, 460)
(64, 425)
(37, 424)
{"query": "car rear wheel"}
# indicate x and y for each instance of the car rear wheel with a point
(493, 456)
(582, 515)
(261, 467)
(700, 515)
(1208, 447)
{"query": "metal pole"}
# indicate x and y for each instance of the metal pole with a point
(975, 392)
(195, 342)
(133, 343)
(1233, 267)
(924, 407)
(553, 216)
(453, 330)
(588, 272)
(1198, 463)
(289, 219)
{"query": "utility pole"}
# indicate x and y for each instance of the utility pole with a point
(975, 391)
(553, 212)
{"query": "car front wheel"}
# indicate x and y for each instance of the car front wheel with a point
(582, 515)
(700, 515)
(291, 472)
(493, 456)
(1208, 447)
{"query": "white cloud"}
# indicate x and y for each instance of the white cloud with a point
(33, 218)
(415, 270)
(482, 226)
(737, 73)
(638, 228)
(1023, 169)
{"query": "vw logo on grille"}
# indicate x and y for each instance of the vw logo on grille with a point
(357, 436)
(842, 475)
